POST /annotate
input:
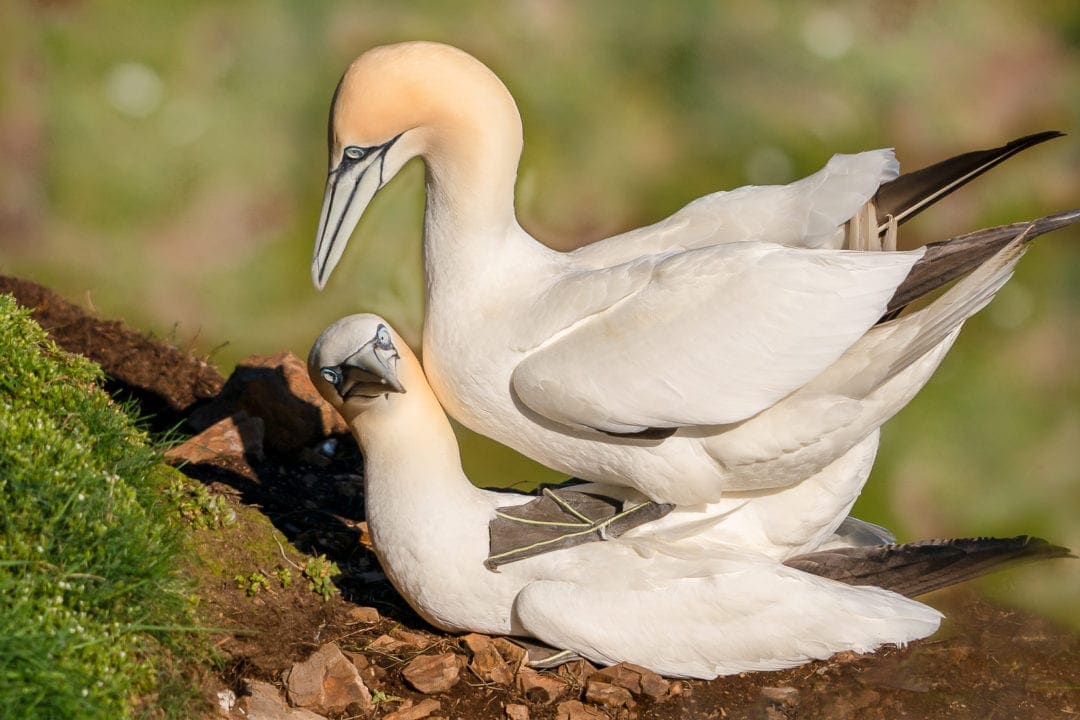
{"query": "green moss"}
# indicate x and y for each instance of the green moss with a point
(89, 598)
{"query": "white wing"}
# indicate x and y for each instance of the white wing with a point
(705, 617)
(804, 213)
(704, 337)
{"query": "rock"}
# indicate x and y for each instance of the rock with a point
(422, 709)
(358, 659)
(576, 672)
(362, 614)
(538, 687)
(433, 673)
(576, 710)
(385, 643)
(326, 681)
(277, 389)
(634, 678)
(264, 702)
(517, 712)
(603, 693)
(236, 436)
(409, 638)
(514, 655)
(487, 663)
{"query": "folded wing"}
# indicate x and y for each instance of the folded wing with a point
(709, 337)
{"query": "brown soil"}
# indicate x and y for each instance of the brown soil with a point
(986, 662)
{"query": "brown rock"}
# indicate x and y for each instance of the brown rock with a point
(576, 672)
(422, 709)
(514, 655)
(326, 681)
(517, 712)
(603, 693)
(233, 437)
(634, 678)
(277, 389)
(576, 710)
(538, 687)
(413, 640)
(264, 702)
(385, 643)
(358, 659)
(486, 662)
(362, 614)
(433, 673)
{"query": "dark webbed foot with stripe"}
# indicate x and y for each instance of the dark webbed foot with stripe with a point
(560, 519)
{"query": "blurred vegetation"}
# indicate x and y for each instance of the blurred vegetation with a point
(164, 163)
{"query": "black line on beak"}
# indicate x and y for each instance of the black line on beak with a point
(344, 165)
(341, 219)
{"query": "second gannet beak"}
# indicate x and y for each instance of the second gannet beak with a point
(349, 188)
(371, 371)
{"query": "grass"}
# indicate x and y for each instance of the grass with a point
(91, 606)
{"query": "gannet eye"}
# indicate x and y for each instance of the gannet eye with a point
(382, 336)
(355, 153)
(331, 375)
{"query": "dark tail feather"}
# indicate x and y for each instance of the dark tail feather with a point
(911, 193)
(917, 568)
(947, 260)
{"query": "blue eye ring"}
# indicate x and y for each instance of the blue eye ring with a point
(354, 152)
(382, 337)
(331, 375)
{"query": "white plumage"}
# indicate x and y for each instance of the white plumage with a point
(692, 607)
(729, 348)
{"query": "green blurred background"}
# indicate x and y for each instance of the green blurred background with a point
(164, 163)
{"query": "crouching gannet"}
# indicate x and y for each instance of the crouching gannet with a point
(691, 607)
(734, 346)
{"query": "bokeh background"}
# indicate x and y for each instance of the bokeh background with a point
(164, 163)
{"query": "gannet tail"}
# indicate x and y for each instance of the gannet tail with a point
(947, 260)
(913, 569)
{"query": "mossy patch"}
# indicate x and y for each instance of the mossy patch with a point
(90, 601)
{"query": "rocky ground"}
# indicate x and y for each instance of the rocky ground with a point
(284, 480)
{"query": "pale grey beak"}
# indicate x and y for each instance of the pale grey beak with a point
(349, 189)
(370, 371)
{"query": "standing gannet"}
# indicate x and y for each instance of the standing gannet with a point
(730, 347)
(690, 607)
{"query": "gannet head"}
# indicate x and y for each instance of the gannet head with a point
(398, 102)
(354, 363)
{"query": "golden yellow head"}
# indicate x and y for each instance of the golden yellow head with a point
(398, 102)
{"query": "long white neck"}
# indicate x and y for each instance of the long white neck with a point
(471, 233)
(411, 457)
(429, 524)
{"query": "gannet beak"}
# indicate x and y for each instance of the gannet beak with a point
(369, 372)
(349, 188)
(368, 362)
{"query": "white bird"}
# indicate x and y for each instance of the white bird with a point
(732, 348)
(690, 607)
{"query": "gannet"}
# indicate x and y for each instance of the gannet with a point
(690, 607)
(732, 347)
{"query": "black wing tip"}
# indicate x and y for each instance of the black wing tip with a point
(1035, 138)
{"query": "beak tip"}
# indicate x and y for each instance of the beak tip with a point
(316, 278)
